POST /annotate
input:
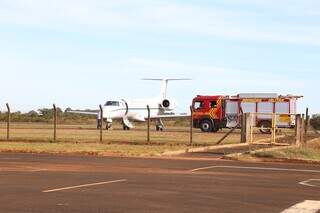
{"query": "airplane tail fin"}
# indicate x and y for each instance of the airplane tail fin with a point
(164, 84)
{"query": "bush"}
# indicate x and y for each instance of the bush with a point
(315, 121)
(46, 115)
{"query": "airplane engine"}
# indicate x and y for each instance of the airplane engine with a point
(168, 104)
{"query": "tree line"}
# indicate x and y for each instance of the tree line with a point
(45, 115)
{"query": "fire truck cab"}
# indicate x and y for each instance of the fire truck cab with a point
(208, 113)
(212, 113)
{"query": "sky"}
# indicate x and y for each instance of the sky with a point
(79, 53)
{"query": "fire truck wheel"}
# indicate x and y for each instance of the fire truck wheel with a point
(159, 128)
(206, 125)
(265, 127)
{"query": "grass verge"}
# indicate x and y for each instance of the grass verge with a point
(87, 148)
(310, 153)
(84, 139)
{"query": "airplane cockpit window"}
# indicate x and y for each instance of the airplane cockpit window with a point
(112, 103)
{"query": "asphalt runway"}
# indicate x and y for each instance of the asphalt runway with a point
(54, 183)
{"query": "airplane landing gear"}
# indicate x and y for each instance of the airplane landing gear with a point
(108, 126)
(159, 125)
(159, 128)
(126, 124)
(125, 127)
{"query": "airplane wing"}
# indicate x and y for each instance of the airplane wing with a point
(171, 115)
(83, 112)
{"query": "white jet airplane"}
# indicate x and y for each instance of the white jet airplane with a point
(136, 110)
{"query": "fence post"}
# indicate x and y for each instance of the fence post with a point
(54, 123)
(243, 128)
(191, 126)
(101, 122)
(298, 130)
(148, 124)
(249, 132)
(306, 124)
(273, 128)
(8, 121)
(302, 136)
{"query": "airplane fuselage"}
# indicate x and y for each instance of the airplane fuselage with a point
(134, 110)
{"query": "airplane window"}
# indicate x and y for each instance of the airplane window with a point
(112, 103)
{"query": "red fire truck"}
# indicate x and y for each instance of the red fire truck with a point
(211, 113)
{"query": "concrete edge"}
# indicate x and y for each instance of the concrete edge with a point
(214, 147)
(202, 149)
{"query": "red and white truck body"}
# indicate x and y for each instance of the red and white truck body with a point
(211, 113)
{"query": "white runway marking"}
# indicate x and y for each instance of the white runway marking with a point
(23, 169)
(308, 206)
(307, 182)
(34, 169)
(84, 185)
(9, 158)
(38, 170)
(256, 168)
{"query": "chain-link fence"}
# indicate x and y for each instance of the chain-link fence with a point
(58, 129)
(254, 128)
(281, 129)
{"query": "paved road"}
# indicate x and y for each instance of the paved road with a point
(150, 185)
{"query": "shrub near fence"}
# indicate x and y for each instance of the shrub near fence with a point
(315, 122)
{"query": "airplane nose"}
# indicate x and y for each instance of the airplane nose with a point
(111, 111)
(107, 110)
